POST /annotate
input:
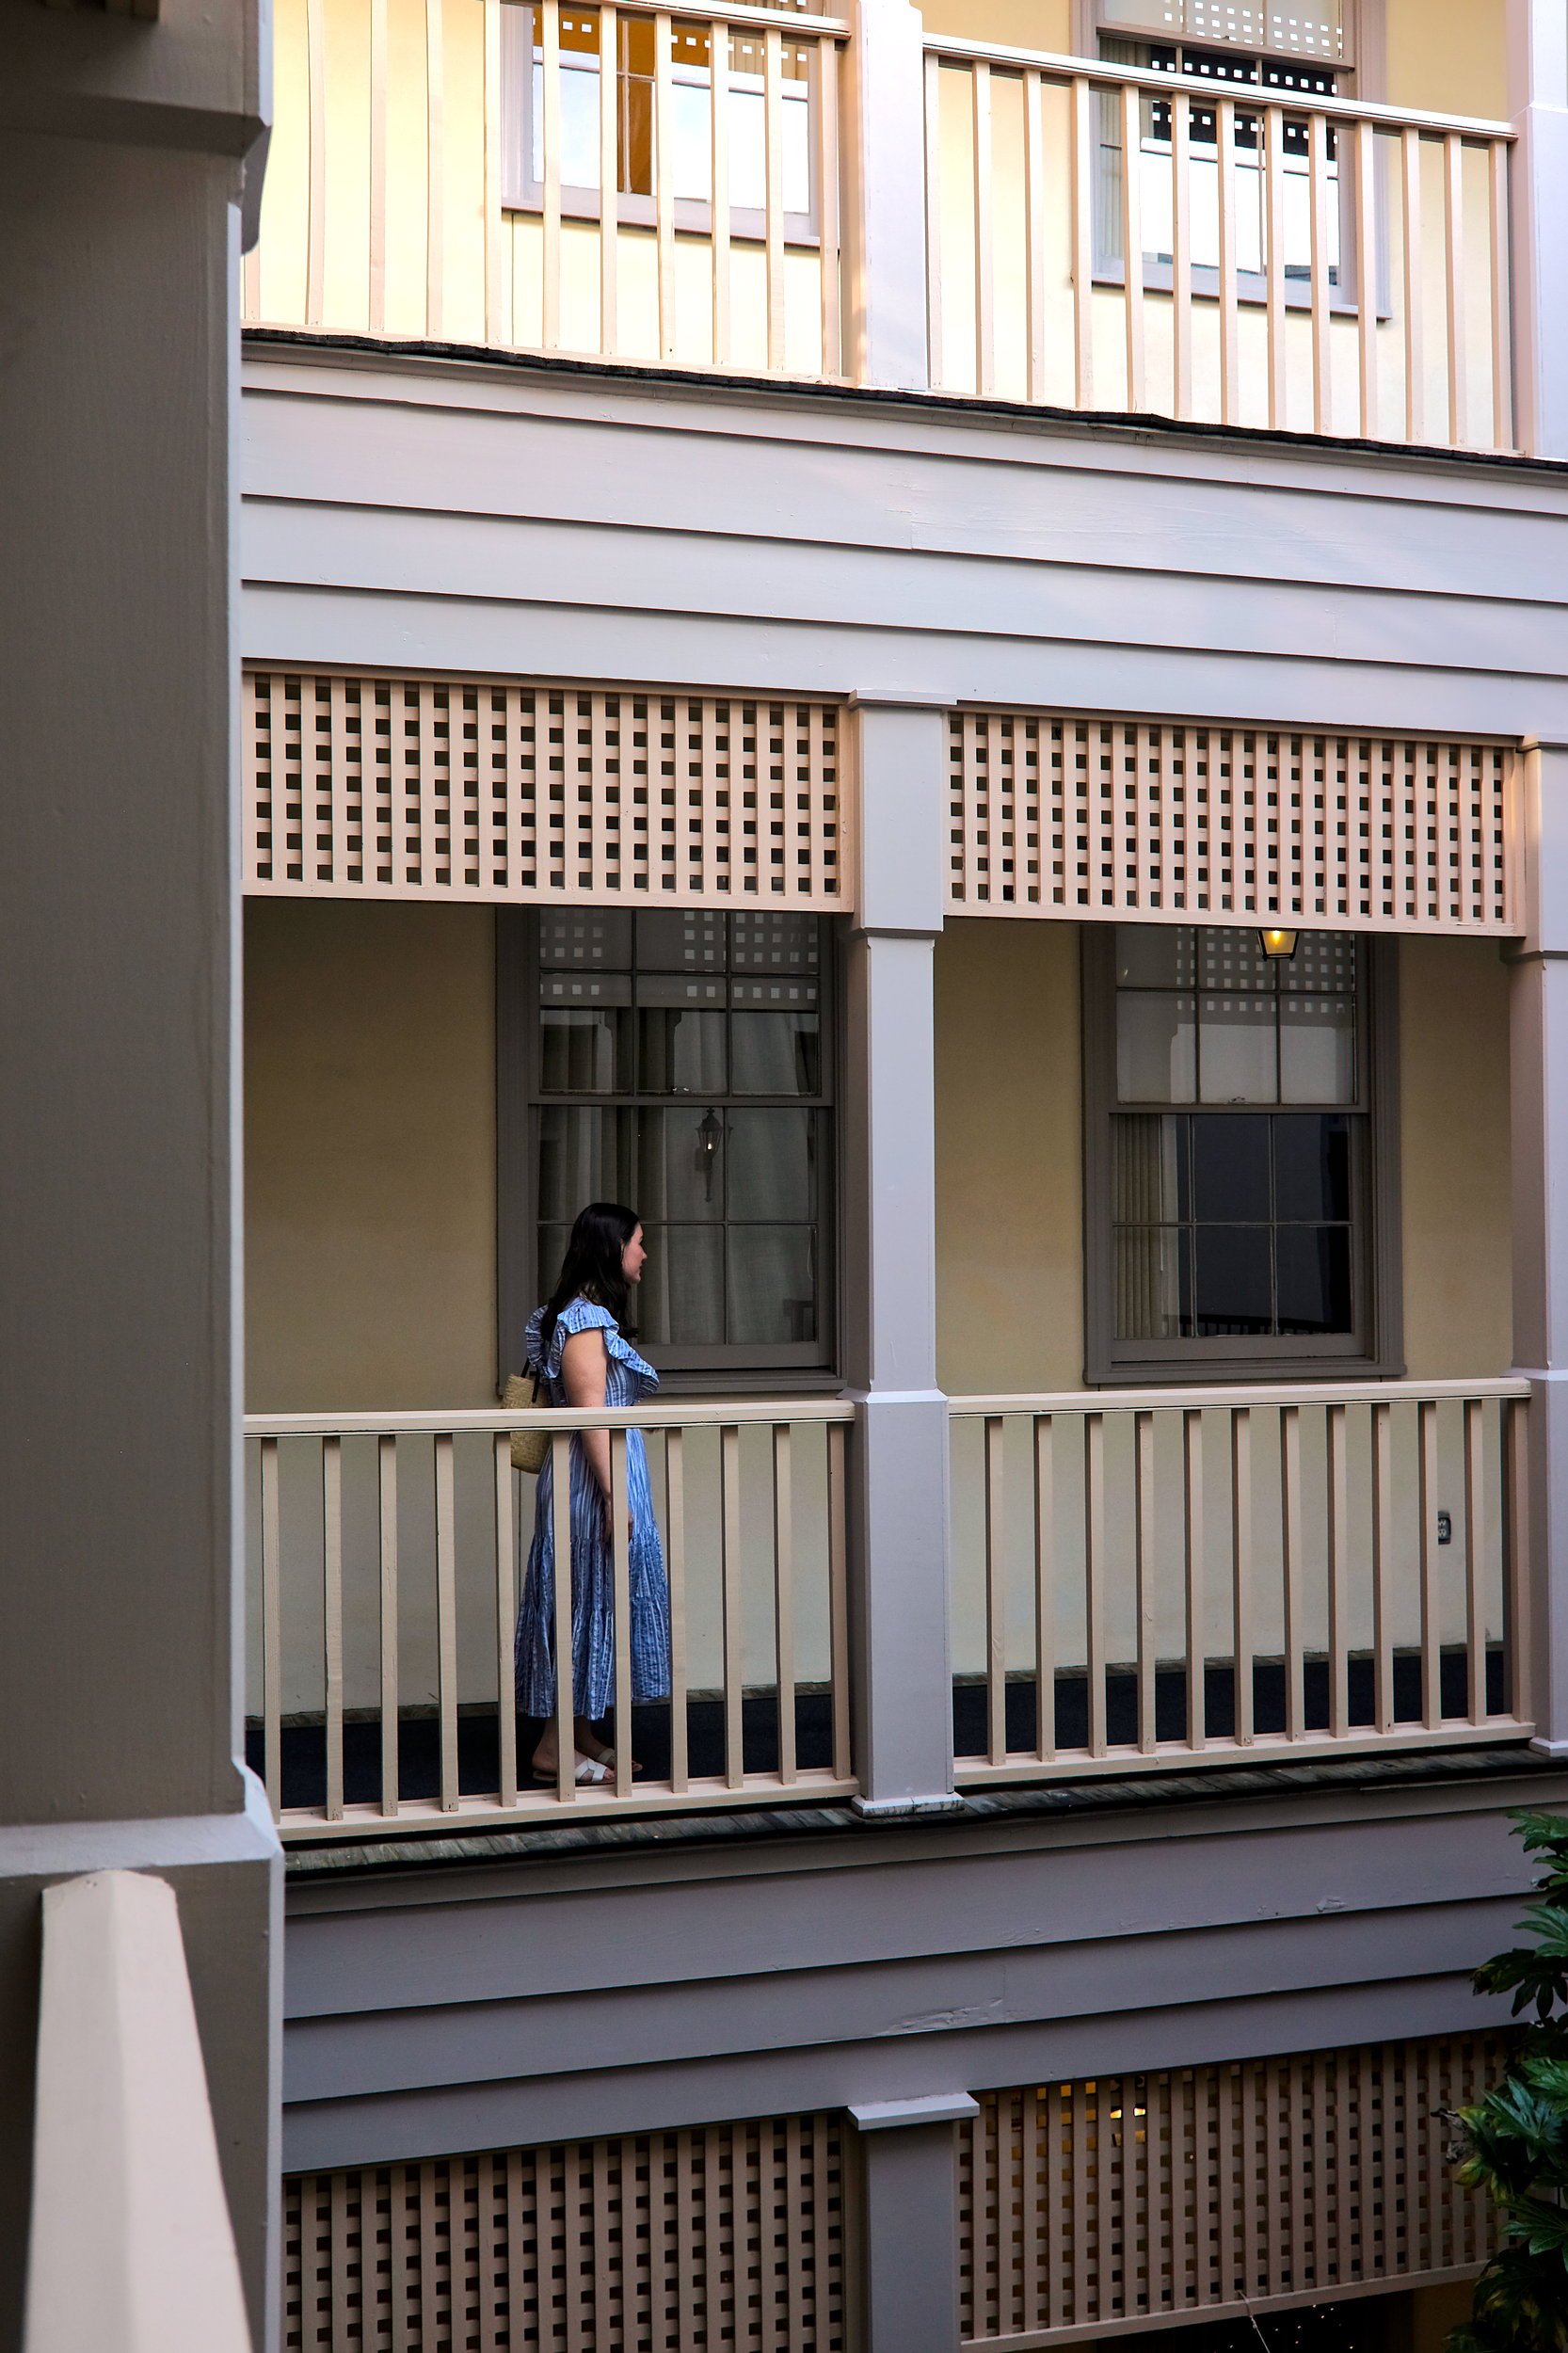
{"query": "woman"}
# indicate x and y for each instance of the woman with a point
(576, 1350)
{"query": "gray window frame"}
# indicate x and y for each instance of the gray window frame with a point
(1375, 1348)
(802, 1367)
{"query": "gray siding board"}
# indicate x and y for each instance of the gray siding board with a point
(523, 2109)
(523, 1944)
(729, 2016)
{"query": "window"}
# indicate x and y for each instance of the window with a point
(1266, 49)
(1237, 1155)
(690, 120)
(679, 1060)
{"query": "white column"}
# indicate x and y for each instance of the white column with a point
(1538, 108)
(904, 1678)
(1539, 1062)
(909, 2168)
(885, 146)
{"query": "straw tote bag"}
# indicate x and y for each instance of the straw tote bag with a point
(530, 1448)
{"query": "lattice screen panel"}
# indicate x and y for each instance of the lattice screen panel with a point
(726, 2238)
(1072, 815)
(371, 788)
(1195, 2191)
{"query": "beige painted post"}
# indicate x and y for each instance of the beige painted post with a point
(131, 2249)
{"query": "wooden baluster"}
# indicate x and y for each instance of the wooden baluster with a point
(1094, 1569)
(1034, 202)
(733, 1593)
(1181, 250)
(376, 257)
(1454, 279)
(386, 1483)
(1503, 435)
(936, 352)
(824, 66)
(1322, 347)
(1132, 243)
(566, 1744)
(446, 1617)
(1045, 1589)
(435, 152)
(984, 226)
(1242, 1570)
(315, 227)
(331, 1617)
(1273, 267)
(674, 1505)
(663, 182)
(621, 1558)
(784, 1597)
(505, 1619)
(772, 114)
(548, 18)
(838, 1572)
(1415, 335)
(1084, 145)
(609, 178)
(272, 1630)
(1230, 370)
(996, 1591)
(1367, 274)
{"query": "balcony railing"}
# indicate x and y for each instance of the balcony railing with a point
(1268, 261)
(1205, 1574)
(1140, 1580)
(621, 182)
(388, 1553)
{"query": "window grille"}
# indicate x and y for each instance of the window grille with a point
(1195, 2191)
(728, 2236)
(373, 787)
(1074, 814)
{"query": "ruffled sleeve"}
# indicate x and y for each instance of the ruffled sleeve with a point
(582, 1316)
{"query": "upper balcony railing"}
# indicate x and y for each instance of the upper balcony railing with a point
(621, 182)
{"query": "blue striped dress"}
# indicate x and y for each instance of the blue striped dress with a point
(593, 1587)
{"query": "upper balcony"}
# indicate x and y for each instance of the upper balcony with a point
(878, 203)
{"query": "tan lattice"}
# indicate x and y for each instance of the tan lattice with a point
(373, 788)
(1072, 815)
(1200, 2190)
(728, 2236)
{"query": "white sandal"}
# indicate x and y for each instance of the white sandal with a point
(589, 1774)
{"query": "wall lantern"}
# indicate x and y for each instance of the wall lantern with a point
(1280, 944)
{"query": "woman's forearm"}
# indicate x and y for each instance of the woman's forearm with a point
(596, 1447)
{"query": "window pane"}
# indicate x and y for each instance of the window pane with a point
(1317, 1050)
(583, 1053)
(680, 1053)
(1322, 966)
(1312, 1168)
(773, 1289)
(681, 1298)
(1234, 964)
(1233, 1286)
(1155, 1056)
(1237, 1049)
(1314, 1278)
(773, 1165)
(1155, 955)
(681, 939)
(781, 944)
(1148, 1285)
(584, 1155)
(776, 1053)
(1230, 1169)
(680, 1160)
(585, 937)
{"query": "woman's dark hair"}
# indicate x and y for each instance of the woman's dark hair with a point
(591, 1268)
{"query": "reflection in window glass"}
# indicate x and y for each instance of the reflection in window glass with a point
(1259, 1028)
(680, 1013)
(1236, 1226)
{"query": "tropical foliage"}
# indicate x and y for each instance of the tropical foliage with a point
(1514, 2144)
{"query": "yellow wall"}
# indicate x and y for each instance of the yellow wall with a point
(1446, 56)
(370, 1161)
(1013, 23)
(1454, 1155)
(1009, 1183)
